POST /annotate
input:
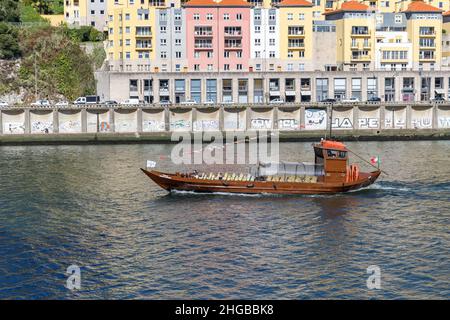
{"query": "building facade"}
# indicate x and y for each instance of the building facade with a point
(255, 51)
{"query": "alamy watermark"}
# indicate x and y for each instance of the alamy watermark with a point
(374, 280)
(74, 280)
(250, 147)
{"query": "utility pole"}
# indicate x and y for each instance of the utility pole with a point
(35, 76)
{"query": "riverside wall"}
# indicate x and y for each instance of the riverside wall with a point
(155, 123)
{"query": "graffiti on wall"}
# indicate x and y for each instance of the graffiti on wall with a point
(13, 128)
(315, 119)
(422, 123)
(368, 123)
(70, 126)
(205, 125)
(260, 123)
(41, 127)
(444, 122)
(342, 123)
(288, 124)
(180, 125)
(153, 125)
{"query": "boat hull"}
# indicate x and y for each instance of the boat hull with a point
(172, 182)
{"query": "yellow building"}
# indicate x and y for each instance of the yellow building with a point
(86, 13)
(296, 40)
(424, 28)
(131, 32)
(75, 12)
(355, 34)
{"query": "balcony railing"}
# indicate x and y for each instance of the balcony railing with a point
(233, 33)
(233, 45)
(203, 33)
(296, 45)
(203, 46)
(143, 46)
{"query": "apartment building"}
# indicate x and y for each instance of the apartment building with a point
(259, 50)
(355, 32)
(296, 41)
(86, 13)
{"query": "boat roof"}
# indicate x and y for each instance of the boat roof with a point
(331, 144)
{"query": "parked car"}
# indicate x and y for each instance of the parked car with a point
(165, 102)
(41, 103)
(62, 104)
(374, 99)
(130, 102)
(276, 101)
(110, 102)
(189, 102)
(350, 100)
(438, 99)
(3, 104)
(329, 100)
(87, 100)
(210, 102)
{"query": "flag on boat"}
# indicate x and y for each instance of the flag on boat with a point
(375, 160)
(151, 164)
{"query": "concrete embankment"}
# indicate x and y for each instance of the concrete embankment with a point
(156, 124)
(148, 138)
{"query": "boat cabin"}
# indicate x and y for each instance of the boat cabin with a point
(333, 156)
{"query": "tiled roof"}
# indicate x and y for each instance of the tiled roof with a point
(295, 3)
(212, 3)
(420, 6)
(350, 6)
(446, 14)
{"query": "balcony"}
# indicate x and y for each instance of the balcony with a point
(199, 33)
(427, 33)
(233, 32)
(429, 46)
(361, 58)
(296, 45)
(141, 34)
(143, 46)
(294, 32)
(233, 46)
(203, 46)
(360, 32)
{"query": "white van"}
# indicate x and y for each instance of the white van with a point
(130, 101)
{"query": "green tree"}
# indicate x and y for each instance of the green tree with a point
(9, 11)
(9, 43)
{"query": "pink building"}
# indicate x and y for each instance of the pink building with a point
(218, 35)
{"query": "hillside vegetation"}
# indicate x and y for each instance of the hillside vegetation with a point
(33, 52)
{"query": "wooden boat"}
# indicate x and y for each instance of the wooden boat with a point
(330, 173)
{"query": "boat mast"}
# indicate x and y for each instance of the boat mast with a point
(331, 119)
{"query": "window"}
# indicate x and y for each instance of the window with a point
(226, 66)
(239, 66)
(301, 16)
(177, 16)
(178, 54)
(271, 29)
(196, 54)
(196, 16)
(127, 16)
(127, 55)
(226, 16)
(127, 30)
(257, 42)
(238, 54)
(127, 42)
(209, 54)
(271, 54)
(196, 67)
(163, 55)
(209, 16)
(177, 42)
(290, 16)
(163, 42)
(398, 18)
(257, 29)
(226, 54)
(239, 16)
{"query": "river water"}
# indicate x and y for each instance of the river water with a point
(91, 206)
